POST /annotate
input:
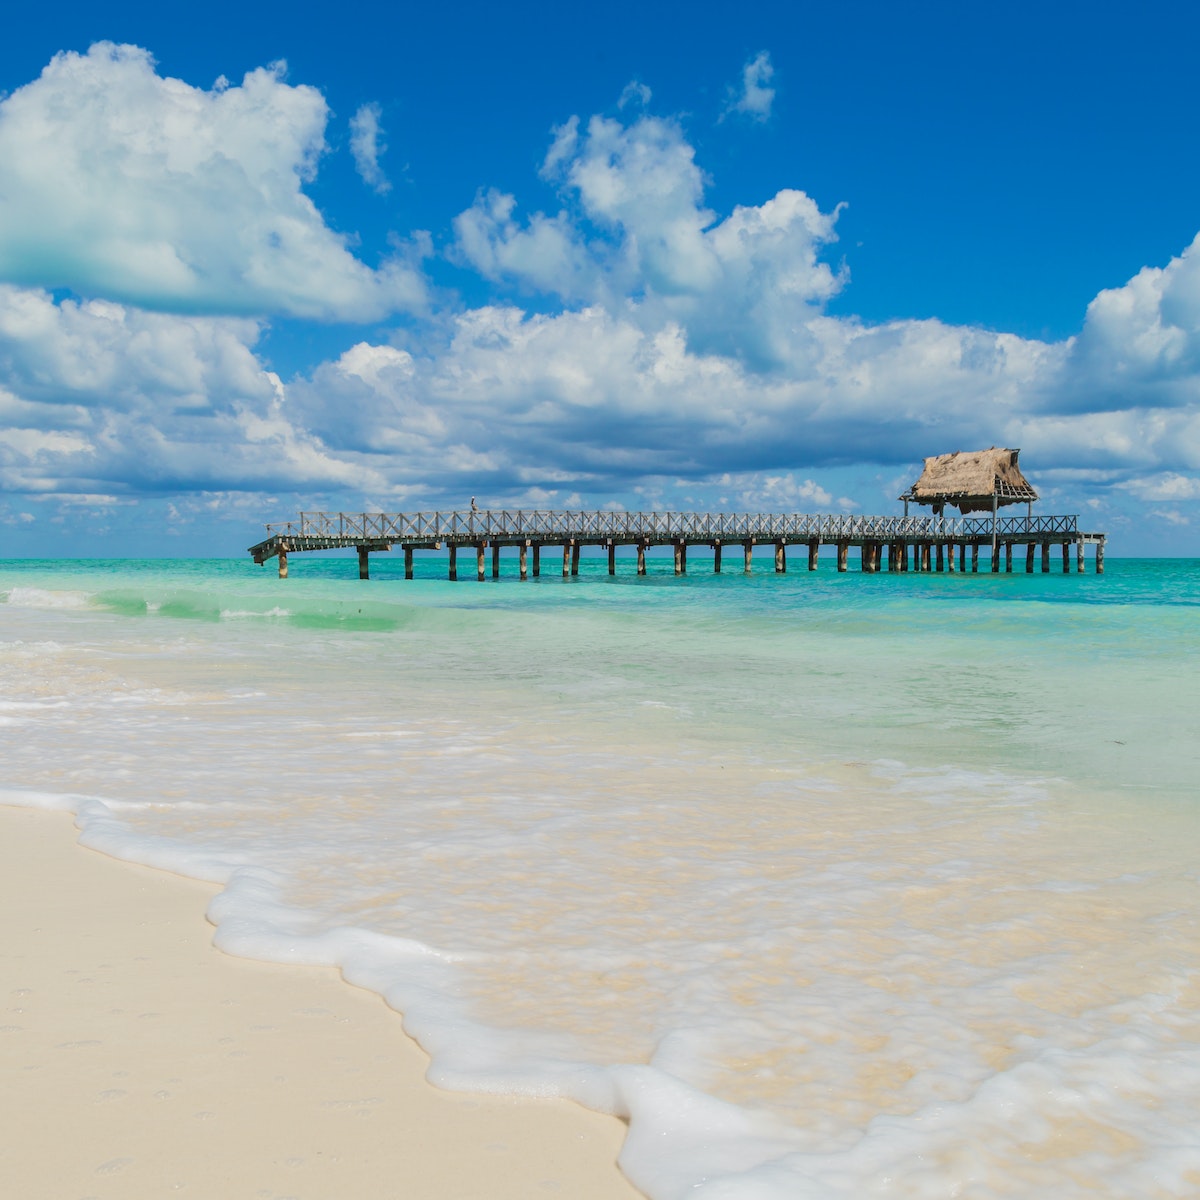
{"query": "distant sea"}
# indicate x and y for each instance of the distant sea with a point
(833, 885)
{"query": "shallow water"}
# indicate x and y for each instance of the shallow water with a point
(835, 885)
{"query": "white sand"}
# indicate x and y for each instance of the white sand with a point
(138, 1061)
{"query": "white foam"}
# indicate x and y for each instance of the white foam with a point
(33, 597)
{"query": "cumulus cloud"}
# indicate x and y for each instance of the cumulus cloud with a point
(637, 229)
(97, 398)
(118, 182)
(367, 145)
(754, 97)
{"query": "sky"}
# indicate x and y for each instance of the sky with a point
(260, 258)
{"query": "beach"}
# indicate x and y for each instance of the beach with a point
(824, 886)
(139, 1061)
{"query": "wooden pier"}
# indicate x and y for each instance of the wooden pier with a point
(895, 544)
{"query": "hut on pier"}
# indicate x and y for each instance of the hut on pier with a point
(972, 481)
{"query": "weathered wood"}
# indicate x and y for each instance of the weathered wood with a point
(748, 549)
(941, 564)
(566, 560)
(814, 547)
(843, 551)
(481, 561)
(926, 557)
(495, 560)
(537, 560)
(408, 562)
(717, 557)
(1045, 557)
(1008, 558)
(780, 558)
(975, 558)
(950, 558)
(574, 558)
(612, 558)
(1100, 557)
(641, 558)
(1066, 557)
(902, 548)
(1030, 554)
(962, 557)
(524, 558)
(1079, 563)
(283, 567)
(453, 566)
(680, 558)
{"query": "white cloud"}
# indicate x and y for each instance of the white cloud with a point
(97, 398)
(754, 97)
(367, 145)
(118, 182)
(744, 286)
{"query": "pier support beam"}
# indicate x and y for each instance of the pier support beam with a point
(1045, 557)
(641, 558)
(902, 557)
(951, 548)
(481, 561)
(612, 558)
(681, 558)
(1100, 557)
(283, 562)
(926, 558)
(941, 558)
(975, 558)
(962, 558)
(843, 554)
(1008, 558)
(1079, 564)
(995, 557)
(537, 559)
(364, 569)
(1066, 558)
(717, 557)
(495, 560)
(780, 558)
(748, 548)
(453, 573)
(1030, 551)
(408, 566)
(814, 547)
(524, 560)
(574, 558)
(566, 560)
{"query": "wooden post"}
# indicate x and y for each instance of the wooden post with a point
(1066, 552)
(680, 558)
(995, 556)
(748, 547)
(814, 545)
(1100, 557)
(941, 557)
(612, 558)
(364, 570)
(641, 558)
(566, 560)
(962, 558)
(537, 560)
(495, 560)
(283, 561)
(1008, 558)
(453, 562)
(524, 560)
(926, 558)
(1079, 556)
(1045, 557)
(902, 549)
(1030, 551)
(843, 553)
(780, 558)
(975, 558)
(950, 557)
(717, 557)
(480, 561)
(574, 558)
(408, 566)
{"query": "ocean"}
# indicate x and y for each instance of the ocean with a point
(831, 885)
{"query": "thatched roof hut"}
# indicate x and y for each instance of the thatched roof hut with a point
(971, 481)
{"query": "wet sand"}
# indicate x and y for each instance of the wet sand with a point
(139, 1061)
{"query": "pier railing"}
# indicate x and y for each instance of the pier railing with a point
(548, 525)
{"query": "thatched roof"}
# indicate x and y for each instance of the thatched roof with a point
(971, 480)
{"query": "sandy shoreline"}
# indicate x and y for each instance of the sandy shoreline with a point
(138, 1061)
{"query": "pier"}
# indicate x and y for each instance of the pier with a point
(919, 544)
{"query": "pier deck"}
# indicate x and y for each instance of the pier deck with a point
(885, 543)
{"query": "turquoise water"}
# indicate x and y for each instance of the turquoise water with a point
(834, 885)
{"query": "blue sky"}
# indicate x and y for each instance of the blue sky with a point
(260, 258)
